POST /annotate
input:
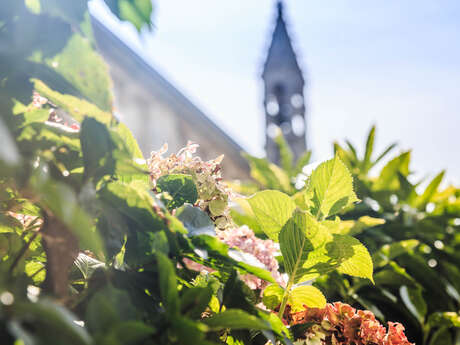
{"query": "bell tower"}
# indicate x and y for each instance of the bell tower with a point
(284, 93)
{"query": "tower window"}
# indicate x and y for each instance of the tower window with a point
(298, 125)
(272, 107)
(272, 130)
(297, 100)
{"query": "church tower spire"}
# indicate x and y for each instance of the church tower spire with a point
(283, 96)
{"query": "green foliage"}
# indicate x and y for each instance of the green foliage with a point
(236, 319)
(90, 252)
(331, 188)
(180, 189)
(410, 232)
(272, 209)
(137, 12)
(94, 252)
(309, 248)
(301, 296)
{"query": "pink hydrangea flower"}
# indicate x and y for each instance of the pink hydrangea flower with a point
(341, 324)
(395, 335)
(244, 239)
(264, 251)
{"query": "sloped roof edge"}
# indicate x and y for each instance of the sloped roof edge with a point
(105, 38)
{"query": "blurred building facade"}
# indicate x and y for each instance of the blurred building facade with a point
(284, 101)
(157, 113)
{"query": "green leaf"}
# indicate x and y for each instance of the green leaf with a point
(369, 149)
(430, 191)
(107, 307)
(134, 202)
(276, 326)
(384, 153)
(32, 116)
(303, 245)
(235, 319)
(84, 68)
(441, 337)
(97, 147)
(286, 156)
(130, 332)
(394, 275)
(272, 210)
(388, 178)
(414, 301)
(168, 284)
(137, 12)
(241, 213)
(53, 324)
(306, 295)
(195, 300)
(87, 265)
(36, 271)
(187, 331)
(195, 220)
(62, 201)
(9, 224)
(309, 250)
(303, 160)
(267, 174)
(331, 188)
(352, 150)
(295, 244)
(129, 143)
(391, 251)
(272, 296)
(444, 319)
(354, 258)
(76, 107)
(180, 187)
(351, 227)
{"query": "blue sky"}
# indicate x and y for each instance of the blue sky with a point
(392, 63)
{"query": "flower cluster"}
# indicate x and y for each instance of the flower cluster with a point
(213, 194)
(264, 251)
(340, 324)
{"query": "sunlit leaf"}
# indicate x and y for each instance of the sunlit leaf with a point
(388, 178)
(369, 149)
(306, 295)
(331, 188)
(272, 210)
(430, 191)
(272, 296)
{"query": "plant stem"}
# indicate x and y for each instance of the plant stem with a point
(284, 300)
(21, 253)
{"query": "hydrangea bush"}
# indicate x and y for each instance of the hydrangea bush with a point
(98, 247)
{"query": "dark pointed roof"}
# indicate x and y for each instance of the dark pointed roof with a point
(281, 52)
